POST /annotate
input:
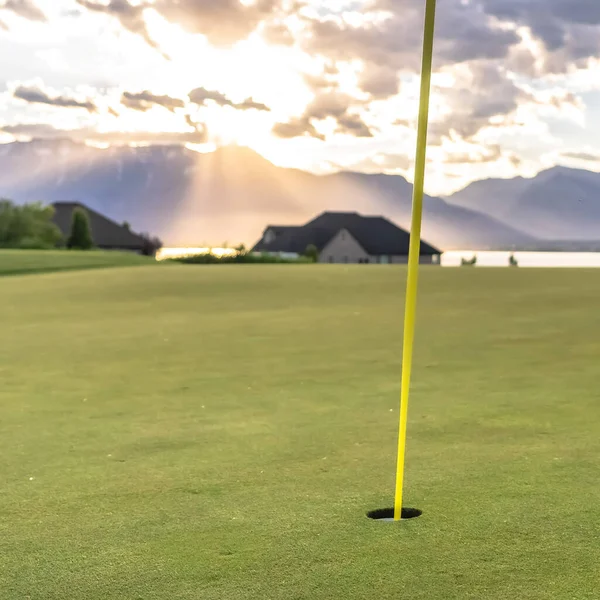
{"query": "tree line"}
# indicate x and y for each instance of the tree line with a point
(31, 226)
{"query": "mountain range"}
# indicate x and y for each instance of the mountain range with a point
(232, 194)
(558, 204)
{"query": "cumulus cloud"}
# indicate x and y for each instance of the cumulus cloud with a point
(223, 22)
(144, 101)
(463, 34)
(35, 95)
(484, 95)
(129, 15)
(45, 131)
(24, 8)
(277, 34)
(379, 81)
(532, 38)
(329, 104)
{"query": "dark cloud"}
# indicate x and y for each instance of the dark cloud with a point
(250, 104)
(338, 106)
(130, 16)
(201, 96)
(587, 156)
(330, 104)
(569, 30)
(35, 95)
(463, 34)
(297, 127)
(352, 124)
(474, 100)
(145, 100)
(467, 32)
(24, 8)
(44, 131)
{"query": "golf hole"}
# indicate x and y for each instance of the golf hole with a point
(387, 514)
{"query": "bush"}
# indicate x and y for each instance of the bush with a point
(469, 263)
(208, 258)
(81, 232)
(28, 226)
(312, 253)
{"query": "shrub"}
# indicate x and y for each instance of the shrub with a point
(81, 232)
(312, 253)
(469, 263)
(208, 258)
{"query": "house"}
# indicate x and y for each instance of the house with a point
(345, 238)
(106, 234)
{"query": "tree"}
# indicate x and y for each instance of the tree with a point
(27, 226)
(81, 232)
(151, 245)
(312, 252)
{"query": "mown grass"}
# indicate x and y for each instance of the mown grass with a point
(18, 262)
(219, 434)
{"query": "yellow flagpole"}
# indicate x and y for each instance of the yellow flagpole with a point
(415, 247)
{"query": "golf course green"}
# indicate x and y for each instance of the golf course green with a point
(220, 432)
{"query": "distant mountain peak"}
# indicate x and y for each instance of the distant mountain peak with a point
(233, 193)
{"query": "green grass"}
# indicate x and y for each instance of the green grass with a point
(18, 262)
(219, 434)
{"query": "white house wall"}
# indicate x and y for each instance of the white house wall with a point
(343, 248)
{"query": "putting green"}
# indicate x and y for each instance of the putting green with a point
(219, 433)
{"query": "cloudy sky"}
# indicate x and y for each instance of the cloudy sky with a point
(320, 85)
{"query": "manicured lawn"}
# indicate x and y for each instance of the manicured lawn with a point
(17, 262)
(218, 433)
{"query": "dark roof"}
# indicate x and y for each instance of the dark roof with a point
(376, 235)
(105, 233)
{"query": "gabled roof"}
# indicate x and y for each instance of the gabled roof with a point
(105, 233)
(376, 235)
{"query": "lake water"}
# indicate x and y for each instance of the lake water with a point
(525, 259)
(453, 259)
(165, 253)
